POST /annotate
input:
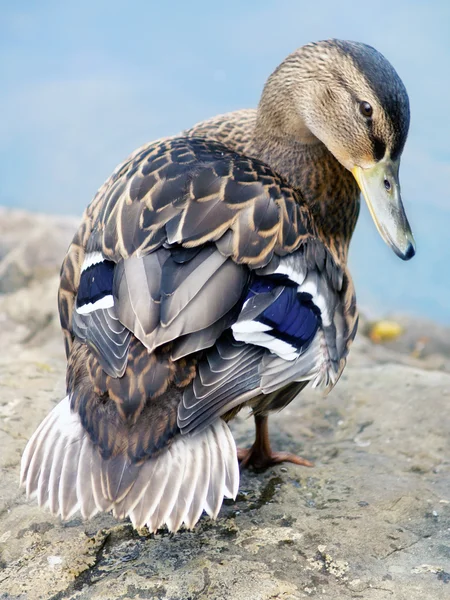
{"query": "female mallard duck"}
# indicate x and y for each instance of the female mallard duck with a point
(209, 272)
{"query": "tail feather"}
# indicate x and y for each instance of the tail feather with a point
(33, 455)
(231, 475)
(184, 492)
(170, 498)
(44, 475)
(55, 476)
(97, 468)
(85, 492)
(67, 493)
(118, 478)
(65, 470)
(158, 474)
(201, 490)
(216, 486)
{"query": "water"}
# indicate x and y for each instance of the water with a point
(84, 85)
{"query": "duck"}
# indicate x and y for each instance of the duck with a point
(210, 273)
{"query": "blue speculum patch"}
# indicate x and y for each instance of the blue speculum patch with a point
(293, 316)
(96, 282)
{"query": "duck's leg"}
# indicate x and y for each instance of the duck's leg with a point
(261, 455)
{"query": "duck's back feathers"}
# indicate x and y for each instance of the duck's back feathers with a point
(192, 192)
(196, 283)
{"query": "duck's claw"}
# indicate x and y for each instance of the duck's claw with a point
(260, 455)
(260, 460)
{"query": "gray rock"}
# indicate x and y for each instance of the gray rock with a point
(370, 520)
(421, 337)
(32, 246)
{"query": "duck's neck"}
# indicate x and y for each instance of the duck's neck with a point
(328, 188)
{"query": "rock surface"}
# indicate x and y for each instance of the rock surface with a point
(371, 520)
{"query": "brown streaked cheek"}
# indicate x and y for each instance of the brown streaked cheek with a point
(364, 154)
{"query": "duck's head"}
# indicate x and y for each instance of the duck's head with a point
(349, 97)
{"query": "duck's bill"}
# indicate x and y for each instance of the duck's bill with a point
(381, 189)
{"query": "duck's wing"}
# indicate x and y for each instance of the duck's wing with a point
(171, 245)
(196, 282)
(296, 324)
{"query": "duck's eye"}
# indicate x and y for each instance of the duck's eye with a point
(365, 109)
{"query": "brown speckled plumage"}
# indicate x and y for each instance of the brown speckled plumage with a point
(256, 218)
(330, 191)
(188, 225)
